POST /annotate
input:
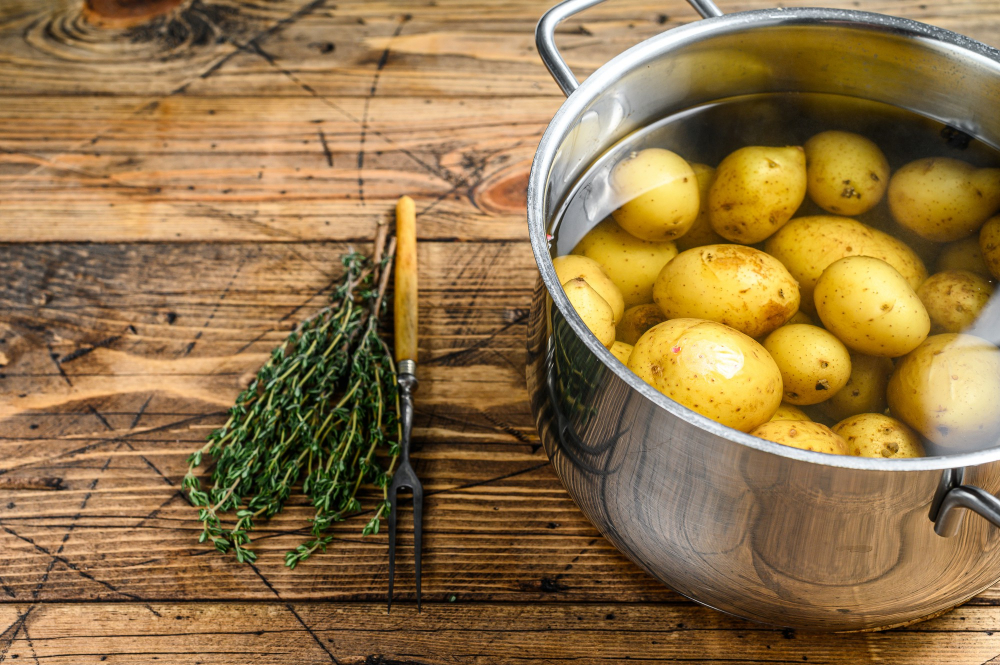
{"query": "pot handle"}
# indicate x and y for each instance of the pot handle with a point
(949, 516)
(545, 36)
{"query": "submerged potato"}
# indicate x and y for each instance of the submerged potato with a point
(847, 173)
(711, 369)
(989, 243)
(756, 190)
(954, 299)
(943, 199)
(878, 435)
(808, 245)
(592, 308)
(701, 232)
(638, 320)
(802, 434)
(739, 286)
(660, 194)
(813, 363)
(864, 391)
(965, 254)
(789, 412)
(870, 307)
(622, 351)
(631, 263)
(571, 267)
(947, 389)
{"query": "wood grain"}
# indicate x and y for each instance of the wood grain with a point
(174, 195)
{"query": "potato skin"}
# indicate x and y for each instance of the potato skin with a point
(947, 389)
(870, 307)
(739, 286)
(864, 391)
(631, 263)
(660, 194)
(802, 434)
(638, 320)
(788, 411)
(622, 351)
(570, 267)
(964, 254)
(880, 436)
(989, 244)
(592, 308)
(847, 173)
(711, 369)
(813, 363)
(807, 245)
(701, 232)
(943, 199)
(954, 299)
(756, 191)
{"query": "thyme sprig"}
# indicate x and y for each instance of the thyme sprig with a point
(322, 411)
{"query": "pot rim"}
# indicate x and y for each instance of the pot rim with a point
(658, 46)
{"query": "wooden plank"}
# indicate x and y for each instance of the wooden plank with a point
(444, 633)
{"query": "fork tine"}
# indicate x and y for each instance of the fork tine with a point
(393, 491)
(418, 512)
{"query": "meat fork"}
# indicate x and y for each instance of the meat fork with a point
(405, 318)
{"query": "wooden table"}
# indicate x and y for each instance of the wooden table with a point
(177, 189)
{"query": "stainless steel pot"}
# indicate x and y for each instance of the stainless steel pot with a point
(756, 529)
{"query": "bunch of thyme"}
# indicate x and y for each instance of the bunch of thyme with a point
(322, 411)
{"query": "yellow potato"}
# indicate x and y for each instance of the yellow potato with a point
(622, 351)
(954, 299)
(870, 307)
(711, 369)
(847, 174)
(878, 435)
(864, 391)
(659, 194)
(592, 308)
(756, 190)
(701, 232)
(802, 434)
(947, 389)
(943, 199)
(789, 412)
(631, 263)
(807, 245)
(638, 320)
(964, 254)
(570, 267)
(813, 363)
(800, 317)
(739, 286)
(989, 243)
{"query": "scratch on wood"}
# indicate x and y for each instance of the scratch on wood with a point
(138, 414)
(326, 148)
(215, 309)
(79, 353)
(55, 360)
(98, 415)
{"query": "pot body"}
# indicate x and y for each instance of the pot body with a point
(762, 531)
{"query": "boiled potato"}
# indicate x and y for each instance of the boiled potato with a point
(807, 245)
(638, 320)
(847, 173)
(943, 199)
(788, 411)
(631, 263)
(800, 317)
(622, 351)
(739, 286)
(864, 392)
(659, 192)
(964, 254)
(701, 232)
(756, 190)
(711, 369)
(948, 389)
(954, 299)
(592, 308)
(989, 243)
(868, 305)
(802, 434)
(878, 435)
(570, 267)
(813, 363)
